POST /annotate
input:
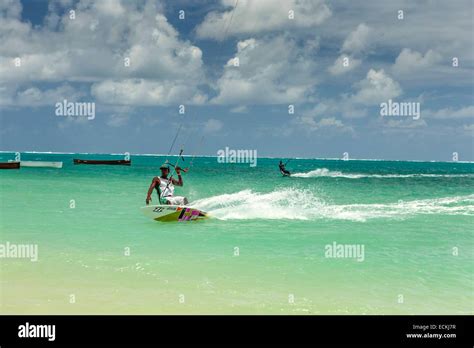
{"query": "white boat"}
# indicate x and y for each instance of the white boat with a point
(41, 164)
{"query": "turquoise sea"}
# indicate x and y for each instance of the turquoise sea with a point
(263, 251)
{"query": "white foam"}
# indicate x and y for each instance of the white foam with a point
(324, 172)
(296, 204)
(282, 204)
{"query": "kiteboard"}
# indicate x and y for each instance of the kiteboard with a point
(167, 213)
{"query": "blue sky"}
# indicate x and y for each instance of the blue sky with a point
(282, 61)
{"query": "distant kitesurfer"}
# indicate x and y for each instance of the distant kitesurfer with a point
(283, 170)
(165, 187)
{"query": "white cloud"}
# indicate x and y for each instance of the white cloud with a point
(405, 123)
(340, 66)
(376, 88)
(469, 128)
(145, 92)
(271, 71)
(118, 116)
(343, 107)
(92, 48)
(117, 120)
(320, 109)
(358, 40)
(319, 117)
(252, 17)
(239, 109)
(451, 113)
(10, 9)
(409, 61)
(110, 7)
(350, 110)
(328, 123)
(34, 96)
(212, 126)
(427, 25)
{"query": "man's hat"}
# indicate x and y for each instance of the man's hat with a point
(165, 166)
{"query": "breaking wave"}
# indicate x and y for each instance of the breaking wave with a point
(294, 204)
(324, 172)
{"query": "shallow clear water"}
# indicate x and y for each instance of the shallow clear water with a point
(410, 217)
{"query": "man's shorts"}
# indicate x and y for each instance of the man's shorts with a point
(176, 200)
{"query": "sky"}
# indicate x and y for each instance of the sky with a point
(288, 78)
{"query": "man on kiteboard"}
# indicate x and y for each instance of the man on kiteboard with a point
(165, 187)
(282, 169)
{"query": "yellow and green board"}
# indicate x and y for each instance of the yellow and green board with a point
(168, 213)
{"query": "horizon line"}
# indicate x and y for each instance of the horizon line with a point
(215, 156)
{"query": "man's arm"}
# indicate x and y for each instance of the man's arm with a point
(154, 182)
(178, 182)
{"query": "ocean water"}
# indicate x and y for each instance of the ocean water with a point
(263, 251)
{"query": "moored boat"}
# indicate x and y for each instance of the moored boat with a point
(9, 165)
(109, 162)
(42, 164)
